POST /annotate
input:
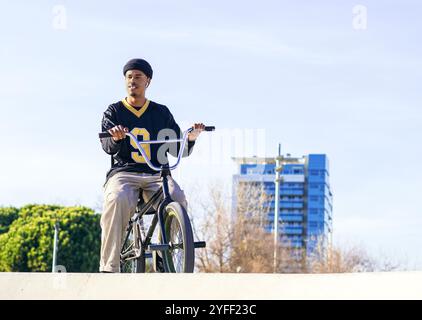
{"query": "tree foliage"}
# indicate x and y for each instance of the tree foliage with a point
(28, 243)
(7, 216)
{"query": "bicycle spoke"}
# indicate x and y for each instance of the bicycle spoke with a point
(127, 249)
(177, 250)
(129, 262)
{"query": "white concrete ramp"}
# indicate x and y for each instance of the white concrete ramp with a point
(389, 285)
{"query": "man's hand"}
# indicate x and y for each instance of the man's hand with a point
(197, 129)
(118, 132)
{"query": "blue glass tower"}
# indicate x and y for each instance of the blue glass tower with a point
(305, 216)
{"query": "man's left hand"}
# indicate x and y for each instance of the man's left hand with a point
(197, 129)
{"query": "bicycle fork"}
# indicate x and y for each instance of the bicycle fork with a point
(166, 200)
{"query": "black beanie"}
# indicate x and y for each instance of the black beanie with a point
(138, 64)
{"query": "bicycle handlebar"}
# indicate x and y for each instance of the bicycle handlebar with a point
(148, 161)
(108, 135)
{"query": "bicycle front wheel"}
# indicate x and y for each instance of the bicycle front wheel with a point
(181, 255)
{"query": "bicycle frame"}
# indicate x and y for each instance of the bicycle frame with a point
(135, 223)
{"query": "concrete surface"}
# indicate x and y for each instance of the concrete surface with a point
(388, 285)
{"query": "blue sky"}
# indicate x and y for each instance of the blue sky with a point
(297, 71)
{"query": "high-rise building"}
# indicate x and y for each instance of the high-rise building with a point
(305, 207)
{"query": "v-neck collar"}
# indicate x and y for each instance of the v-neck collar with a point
(139, 112)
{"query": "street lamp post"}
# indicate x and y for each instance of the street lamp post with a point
(277, 204)
(56, 233)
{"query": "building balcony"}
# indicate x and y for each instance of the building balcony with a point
(286, 204)
(291, 218)
(291, 230)
(286, 178)
(294, 244)
(284, 192)
(316, 179)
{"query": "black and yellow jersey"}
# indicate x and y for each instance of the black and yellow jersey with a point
(152, 121)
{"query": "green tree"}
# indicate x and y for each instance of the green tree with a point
(7, 216)
(28, 244)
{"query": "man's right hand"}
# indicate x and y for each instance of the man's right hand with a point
(118, 132)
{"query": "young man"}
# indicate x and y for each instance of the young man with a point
(148, 121)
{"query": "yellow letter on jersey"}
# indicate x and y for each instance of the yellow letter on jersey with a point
(136, 155)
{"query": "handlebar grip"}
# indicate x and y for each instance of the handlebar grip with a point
(209, 128)
(104, 135)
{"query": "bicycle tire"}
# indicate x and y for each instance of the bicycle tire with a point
(137, 265)
(177, 217)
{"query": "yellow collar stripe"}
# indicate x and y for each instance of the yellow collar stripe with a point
(139, 112)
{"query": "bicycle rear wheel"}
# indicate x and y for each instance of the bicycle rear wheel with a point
(128, 263)
(181, 255)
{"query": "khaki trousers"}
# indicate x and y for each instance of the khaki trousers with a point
(120, 198)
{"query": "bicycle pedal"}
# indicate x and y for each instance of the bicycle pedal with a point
(157, 262)
(199, 244)
(158, 247)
